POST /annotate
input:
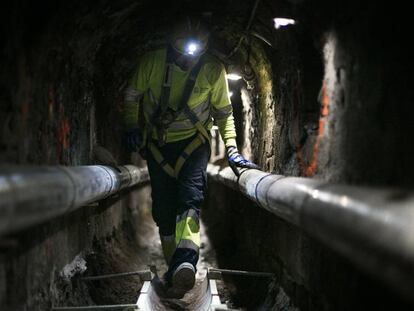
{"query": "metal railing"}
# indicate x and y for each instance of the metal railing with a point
(32, 195)
(373, 227)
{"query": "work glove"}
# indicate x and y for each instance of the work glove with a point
(237, 160)
(133, 139)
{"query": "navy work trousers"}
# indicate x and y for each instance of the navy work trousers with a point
(175, 196)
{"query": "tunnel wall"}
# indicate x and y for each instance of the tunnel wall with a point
(332, 103)
(367, 80)
(41, 266)
(62, 81)
(61, 89)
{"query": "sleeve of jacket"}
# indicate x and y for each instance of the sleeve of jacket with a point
(137, 85)
(222, 110)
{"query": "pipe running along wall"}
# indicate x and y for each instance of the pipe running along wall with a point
(370, 226)
(31, 195)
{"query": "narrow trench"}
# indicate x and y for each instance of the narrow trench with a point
(136, 247)
(327, 99)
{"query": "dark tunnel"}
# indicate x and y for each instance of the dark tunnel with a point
(324, 106)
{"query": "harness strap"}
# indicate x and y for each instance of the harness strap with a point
(202, 136)
(166, 82)
(174, 172)
(188, 88)
(160, 160)
(196, 122)
(165, 92)
(191, 147)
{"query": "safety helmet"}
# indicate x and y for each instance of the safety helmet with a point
(190, 37)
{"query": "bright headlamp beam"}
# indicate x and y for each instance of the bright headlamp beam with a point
(233, 76)
(282, 22)
(192, 48)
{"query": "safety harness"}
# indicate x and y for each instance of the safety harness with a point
(164, 116)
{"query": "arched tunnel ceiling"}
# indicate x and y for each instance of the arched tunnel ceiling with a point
(125, 26)
(130, 21)
(30, 20)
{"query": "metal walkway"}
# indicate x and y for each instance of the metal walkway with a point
(203, 297)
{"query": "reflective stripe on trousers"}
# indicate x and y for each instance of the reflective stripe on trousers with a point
(187, 230)
(168, 245)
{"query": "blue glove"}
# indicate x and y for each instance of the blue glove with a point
(237, 160)
(134, 140)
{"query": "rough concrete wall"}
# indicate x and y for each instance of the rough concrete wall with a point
(61, 84)
(46, 96)
(265, 107)
(368, 85)
(280, 110)
(41, 266)
(341, 97)
(313, 277)
(62, 80)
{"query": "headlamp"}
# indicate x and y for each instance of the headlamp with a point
(192, 48)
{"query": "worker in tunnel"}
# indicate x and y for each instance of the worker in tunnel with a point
(170, 104)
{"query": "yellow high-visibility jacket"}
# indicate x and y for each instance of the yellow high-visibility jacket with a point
(209, 98)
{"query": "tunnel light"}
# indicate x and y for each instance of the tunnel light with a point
(233, 76)
(282, 22)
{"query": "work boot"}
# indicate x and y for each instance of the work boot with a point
(183, 280)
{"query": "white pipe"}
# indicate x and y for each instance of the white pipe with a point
(373, 227)
(31, 195)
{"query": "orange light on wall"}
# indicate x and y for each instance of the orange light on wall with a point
(309, 168)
